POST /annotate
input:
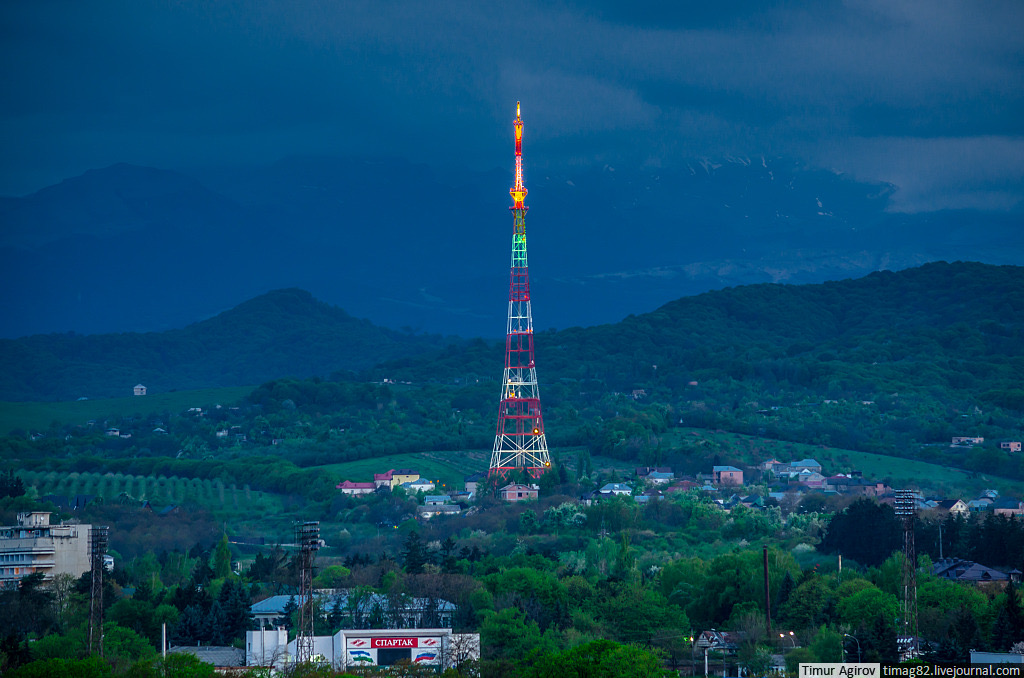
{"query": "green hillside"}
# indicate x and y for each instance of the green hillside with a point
(894, 364)
(39, 416)
(280, 333)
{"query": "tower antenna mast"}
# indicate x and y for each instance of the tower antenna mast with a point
(520, 442)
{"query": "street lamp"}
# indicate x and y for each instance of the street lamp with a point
(847, 635)
(789, 637)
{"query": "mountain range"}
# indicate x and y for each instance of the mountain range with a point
(129, 248)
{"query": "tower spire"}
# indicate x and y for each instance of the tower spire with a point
(520, 442)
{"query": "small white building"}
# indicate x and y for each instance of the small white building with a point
(617, 489)
(419, 485)
(139, 389)
(349, 487)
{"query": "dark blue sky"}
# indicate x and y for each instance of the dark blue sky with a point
(927, 95)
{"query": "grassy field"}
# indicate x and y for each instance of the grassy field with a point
(160, 490)
(447, 467)
(38, 416)
(896, 472)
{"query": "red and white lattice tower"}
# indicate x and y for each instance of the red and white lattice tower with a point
(519, 442)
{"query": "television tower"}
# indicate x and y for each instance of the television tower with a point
(519, 442)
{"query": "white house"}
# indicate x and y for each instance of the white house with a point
(617, 489)
(420, 485)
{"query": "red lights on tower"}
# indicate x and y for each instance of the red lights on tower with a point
(520, 442)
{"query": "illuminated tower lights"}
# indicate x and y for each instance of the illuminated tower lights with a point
(520, 442)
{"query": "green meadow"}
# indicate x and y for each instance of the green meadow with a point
(39, 416)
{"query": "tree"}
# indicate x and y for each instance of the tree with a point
(866, 531)
(785, 590)
(288, 614)
(756, 658)
(796, 657)
(858, 609)
(1008, 627)
(11, 485)
(222, 559)
(332, 577)
(827, 646)
(637, 614)
(508, 636)
(90, 667)
(235, 605)
(528, 521)
(880, 640)
(600, 659)
(414, 555)
(807, 605)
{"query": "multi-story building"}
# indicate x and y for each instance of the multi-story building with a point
(34, 545)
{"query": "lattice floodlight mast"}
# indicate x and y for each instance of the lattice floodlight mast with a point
(520, 442)
(308, 537)
(906, 511)
(98, 539)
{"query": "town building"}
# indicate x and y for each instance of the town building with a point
(517, 492)
(363, 610)
(351, 648)
(1007, 507)
(970, 572)
(419, 485)
(393, 478)
(956, 507)
(430, 510)
(1011, 446)
(473, 481)
(349, 487)
(810, 465)
(644, 471)
(727, 475)
(616, 489)
(222, 658)
(34, 545)
(139, 390)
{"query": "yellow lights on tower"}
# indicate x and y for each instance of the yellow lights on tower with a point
(536, 430)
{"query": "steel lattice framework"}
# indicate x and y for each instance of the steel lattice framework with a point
(906, 511)
(520, 442)
(308, 536)
(99, 537)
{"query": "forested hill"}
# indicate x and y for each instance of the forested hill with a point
(956, 330)
(281, 333)
(951, 328)
(952, 331)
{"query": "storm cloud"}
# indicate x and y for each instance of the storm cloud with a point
(926, 95)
